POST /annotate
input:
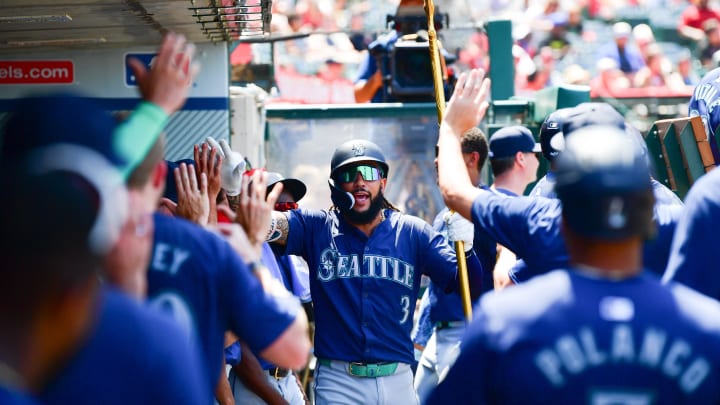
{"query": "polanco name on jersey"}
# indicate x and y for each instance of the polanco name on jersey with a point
(334, 266)
(576, 353)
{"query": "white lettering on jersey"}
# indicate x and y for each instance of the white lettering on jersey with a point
(334, 265)
(575, 353)
(167, 258)
(174, 305)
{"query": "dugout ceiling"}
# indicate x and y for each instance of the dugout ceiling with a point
(52, 24)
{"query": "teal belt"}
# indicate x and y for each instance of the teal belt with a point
(449, 324)
(369, 370)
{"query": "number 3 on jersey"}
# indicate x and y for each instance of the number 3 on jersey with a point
(405, 306)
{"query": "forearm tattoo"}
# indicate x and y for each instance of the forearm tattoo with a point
(279, 228)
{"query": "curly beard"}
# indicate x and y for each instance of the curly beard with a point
(365, 217)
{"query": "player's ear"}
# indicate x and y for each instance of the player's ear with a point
(159, 174)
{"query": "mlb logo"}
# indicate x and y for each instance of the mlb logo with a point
(145, 58)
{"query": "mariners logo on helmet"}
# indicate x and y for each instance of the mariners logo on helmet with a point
(358, 149)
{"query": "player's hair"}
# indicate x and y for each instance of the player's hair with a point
(502, 165)
(140, 175)
(46, 220)
(474, 140)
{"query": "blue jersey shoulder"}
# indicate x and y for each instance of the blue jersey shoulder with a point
(693, 247)
(144, 350)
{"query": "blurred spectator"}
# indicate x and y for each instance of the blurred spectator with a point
(475, 53)
(575, 74)
(686, 69)
(557, 39)
(575, 20)
(658, 72)
(522, 35)
(711, 44)
(610, 80)
(627, 57)
(693, 18)
(644, 37)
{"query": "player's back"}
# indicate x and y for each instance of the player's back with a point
(133, 355)
(570, 338)
(199, 279)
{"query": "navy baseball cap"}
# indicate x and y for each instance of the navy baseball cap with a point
(704, 103)
(295, 187)
(587, 114)
(69, 139)
(508, 141)
(41, 121)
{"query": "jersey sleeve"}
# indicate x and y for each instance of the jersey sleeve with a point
(134, 137)
(692, 260)
(301, 223)
(528, 226)
(255, 316)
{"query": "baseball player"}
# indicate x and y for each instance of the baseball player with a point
(446, 319)
(198, 277)
(63, 211)
(248, 386)
(366, 259)
(602, 331)
(530, 227)
(692, 260)
(552, 140)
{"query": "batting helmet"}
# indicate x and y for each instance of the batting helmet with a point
(603, 182)
(704, 103)
(550, 143)
(357, 150)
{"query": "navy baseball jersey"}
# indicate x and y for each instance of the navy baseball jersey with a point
(364, 289)
(693, 259)
(582, 339)
(530, 227)
(197, 277)
(9, 396)
(134, 355)
(545, 187)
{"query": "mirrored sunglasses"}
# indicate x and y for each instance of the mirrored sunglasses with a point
(286, 206)
(369, 173)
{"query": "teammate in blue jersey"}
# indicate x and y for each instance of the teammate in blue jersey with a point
(552, 141)
(365, 260)
(64, 210)
(256, 381)
(530, 227)
(602, 331)
(446, 317)
(200, 279)
(692, 259)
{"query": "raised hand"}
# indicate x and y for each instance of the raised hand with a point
(208, 162)
(255, 210)
(468, 104)
(193, 200)
(232, 168)
(168, 81)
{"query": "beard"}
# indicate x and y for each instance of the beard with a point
(365, 217)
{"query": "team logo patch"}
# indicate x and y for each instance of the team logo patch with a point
(358, 149)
